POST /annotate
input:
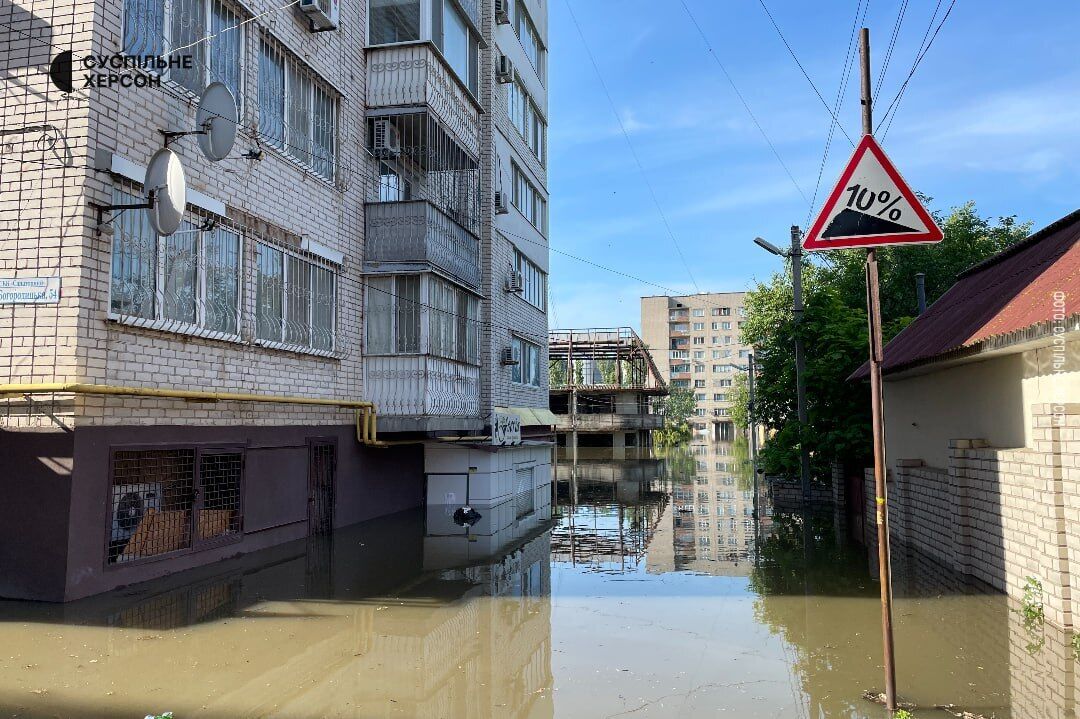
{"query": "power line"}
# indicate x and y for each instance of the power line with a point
(895, 104)
(745, 105)
(630, 144)
(892, 46)
(805, 74)
(841, 91)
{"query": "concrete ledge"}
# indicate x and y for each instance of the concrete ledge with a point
(390, 425)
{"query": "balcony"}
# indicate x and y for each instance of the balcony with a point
(610, 422)
(411, 75)
(422, 385)
(416, 235)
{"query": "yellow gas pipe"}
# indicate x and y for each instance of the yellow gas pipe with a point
(365, 412)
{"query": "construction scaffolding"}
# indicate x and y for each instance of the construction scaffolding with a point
(602, 359)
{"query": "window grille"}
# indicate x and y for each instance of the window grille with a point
(181, 28)
(416, 158)
(295, 300)
(297, 110)
(190, 279)
(169, 500)
(525, 499)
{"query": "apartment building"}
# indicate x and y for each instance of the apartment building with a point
(695, 341)
(374, 245)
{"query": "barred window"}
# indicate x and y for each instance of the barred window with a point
(179, 27)
(170, 500)
(534, 281)
(295, 301)
(297, 110)
(190, 279)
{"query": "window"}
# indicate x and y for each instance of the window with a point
(534, 281)
(524, 496)
(700, 396)
(699, 354)
(699, 326)
(528, 200)
(295, 300)
(454, 327)
(527, 370)
(718, 397)
(699, 384)
(391, 21)
(170, 500)
(725, 311)
(190, 280)
(726, 325)
(680, 368)
(297, 110)
(457, 43)
(682, 327)
(393, 314)
(530, 40)
(716, 354)
(700, 411)
(714, 340)
(188, 22)
(699, 340)
(680, 383)
(698, 313)
(744, 354)
(527, 118)
(725, 383)
(715, 326)
(715, 312)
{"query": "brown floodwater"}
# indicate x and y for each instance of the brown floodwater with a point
(652, 592)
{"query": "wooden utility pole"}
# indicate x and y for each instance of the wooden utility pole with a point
(873, 313)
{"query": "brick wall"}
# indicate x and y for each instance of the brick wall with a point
(998, 515)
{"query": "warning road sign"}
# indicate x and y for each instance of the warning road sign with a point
(870, 206)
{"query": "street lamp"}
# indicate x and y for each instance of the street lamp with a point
(795, 255)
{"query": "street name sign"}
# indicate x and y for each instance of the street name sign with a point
(29, 290)
(871, 206)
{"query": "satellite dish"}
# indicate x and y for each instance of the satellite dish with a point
(167, 188)
(216, 118)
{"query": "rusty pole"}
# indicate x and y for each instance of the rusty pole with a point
(873, 312)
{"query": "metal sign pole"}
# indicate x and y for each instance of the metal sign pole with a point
(873, 312)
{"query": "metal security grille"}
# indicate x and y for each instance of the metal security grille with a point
(167, 500)
(152, 497)
(525, 499)
(219, 510)
(322, 457)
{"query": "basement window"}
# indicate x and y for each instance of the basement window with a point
(165, 501)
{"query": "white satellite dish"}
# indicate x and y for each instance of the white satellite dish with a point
(217, 118)
(167, 190)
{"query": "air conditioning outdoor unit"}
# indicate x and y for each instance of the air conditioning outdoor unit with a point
(323, 14)
(515, 282)
(501, 207)
(504, 70)
(130, 503)
(502, 12)
(385, 142)
(508, 356)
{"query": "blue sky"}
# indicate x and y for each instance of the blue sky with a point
(992, 115)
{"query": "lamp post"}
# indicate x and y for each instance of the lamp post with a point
(795, 255)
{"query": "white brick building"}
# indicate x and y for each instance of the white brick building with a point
(348, 250)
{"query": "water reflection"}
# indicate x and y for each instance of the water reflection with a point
(639, 597)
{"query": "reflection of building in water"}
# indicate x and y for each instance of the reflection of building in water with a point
(352, 632)
(608, 520)
(712, 518)
(602, 384)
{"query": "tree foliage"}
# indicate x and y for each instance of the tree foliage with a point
(677, 408)
(834, 332)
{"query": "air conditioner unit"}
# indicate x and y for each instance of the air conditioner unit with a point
(385, 141)
(502, 12)
(515, 282)
(508, 356)
(501, 207)
(323, 14)
(129, 504)
(504, 70)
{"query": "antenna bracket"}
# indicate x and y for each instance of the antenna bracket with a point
(102, 209)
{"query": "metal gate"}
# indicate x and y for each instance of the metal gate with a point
(322, 468)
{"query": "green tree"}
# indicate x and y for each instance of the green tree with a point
(835, 334)
(677, 408)
(557, 373)
(608, 371)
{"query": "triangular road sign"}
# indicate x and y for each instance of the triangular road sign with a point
(871, 205)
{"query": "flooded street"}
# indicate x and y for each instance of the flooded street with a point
(652, 592)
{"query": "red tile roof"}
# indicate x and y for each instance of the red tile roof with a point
(1010, 291)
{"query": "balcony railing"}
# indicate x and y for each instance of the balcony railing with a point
(419, 233)
(422, 385)
(415, 74)
(609, 422)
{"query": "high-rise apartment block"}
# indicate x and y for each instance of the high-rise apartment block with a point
(695, 341)
(350, 320)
